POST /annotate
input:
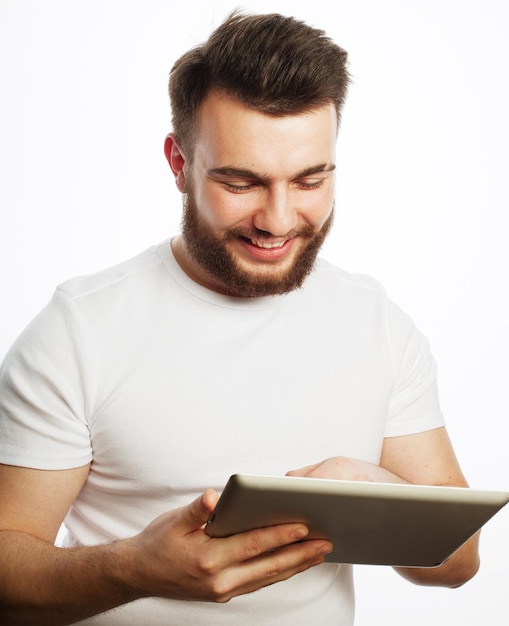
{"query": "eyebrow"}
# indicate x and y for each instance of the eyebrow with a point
(244, 173)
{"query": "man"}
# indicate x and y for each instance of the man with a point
(227, 349)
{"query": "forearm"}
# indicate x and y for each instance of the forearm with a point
(459, 569)
(402, 461)
(45, 585)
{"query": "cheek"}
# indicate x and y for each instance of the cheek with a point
(317, 209)
(224, 210)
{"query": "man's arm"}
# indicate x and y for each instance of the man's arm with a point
(428, 458)
(425, 458)
(173, 557)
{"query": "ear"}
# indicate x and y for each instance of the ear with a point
(177, 161)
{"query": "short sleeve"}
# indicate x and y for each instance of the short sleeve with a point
(414, 405)
(46, 390)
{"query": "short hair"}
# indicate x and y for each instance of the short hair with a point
(275, 64)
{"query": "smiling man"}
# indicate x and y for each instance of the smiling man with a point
(260, 195)
(231, 347)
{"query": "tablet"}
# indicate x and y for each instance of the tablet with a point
(368, 523)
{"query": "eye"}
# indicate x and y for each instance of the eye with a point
(310, 184)
(235, 188)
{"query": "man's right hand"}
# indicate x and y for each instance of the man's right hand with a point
(174, 557)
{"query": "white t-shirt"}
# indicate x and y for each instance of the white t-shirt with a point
(169, 388)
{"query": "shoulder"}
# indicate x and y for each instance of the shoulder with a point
(359, 297)
(326, 271)
(120, 277)
(332, 279)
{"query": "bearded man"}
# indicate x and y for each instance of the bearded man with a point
(136, 393)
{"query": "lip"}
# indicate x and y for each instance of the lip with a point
(266, 250)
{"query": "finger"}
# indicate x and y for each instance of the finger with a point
(197, 513)
(303, 471)
(273, 567)
(251, 544)
(209, 500)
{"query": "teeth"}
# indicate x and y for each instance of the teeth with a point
(266, 245)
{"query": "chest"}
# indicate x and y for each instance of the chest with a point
(198, 399)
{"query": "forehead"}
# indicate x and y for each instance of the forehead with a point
(231, 134)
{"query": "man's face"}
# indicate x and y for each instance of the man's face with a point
(259, 198)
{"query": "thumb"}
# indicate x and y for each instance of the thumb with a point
(198, 512)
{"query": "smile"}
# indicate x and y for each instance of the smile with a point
(266, 244)
(262, 250)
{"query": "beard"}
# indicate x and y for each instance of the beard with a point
(210, 251)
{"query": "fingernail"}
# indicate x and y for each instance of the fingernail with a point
(299, 533)
(325, 549)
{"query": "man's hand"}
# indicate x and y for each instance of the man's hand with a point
(174, 557)
(345, 468)
(425, 458)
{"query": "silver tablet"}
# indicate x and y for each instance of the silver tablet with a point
(370, 523)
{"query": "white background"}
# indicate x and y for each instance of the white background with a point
(422, 196)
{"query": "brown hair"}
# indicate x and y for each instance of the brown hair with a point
(275, 64)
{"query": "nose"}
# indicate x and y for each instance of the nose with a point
(278, 215)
